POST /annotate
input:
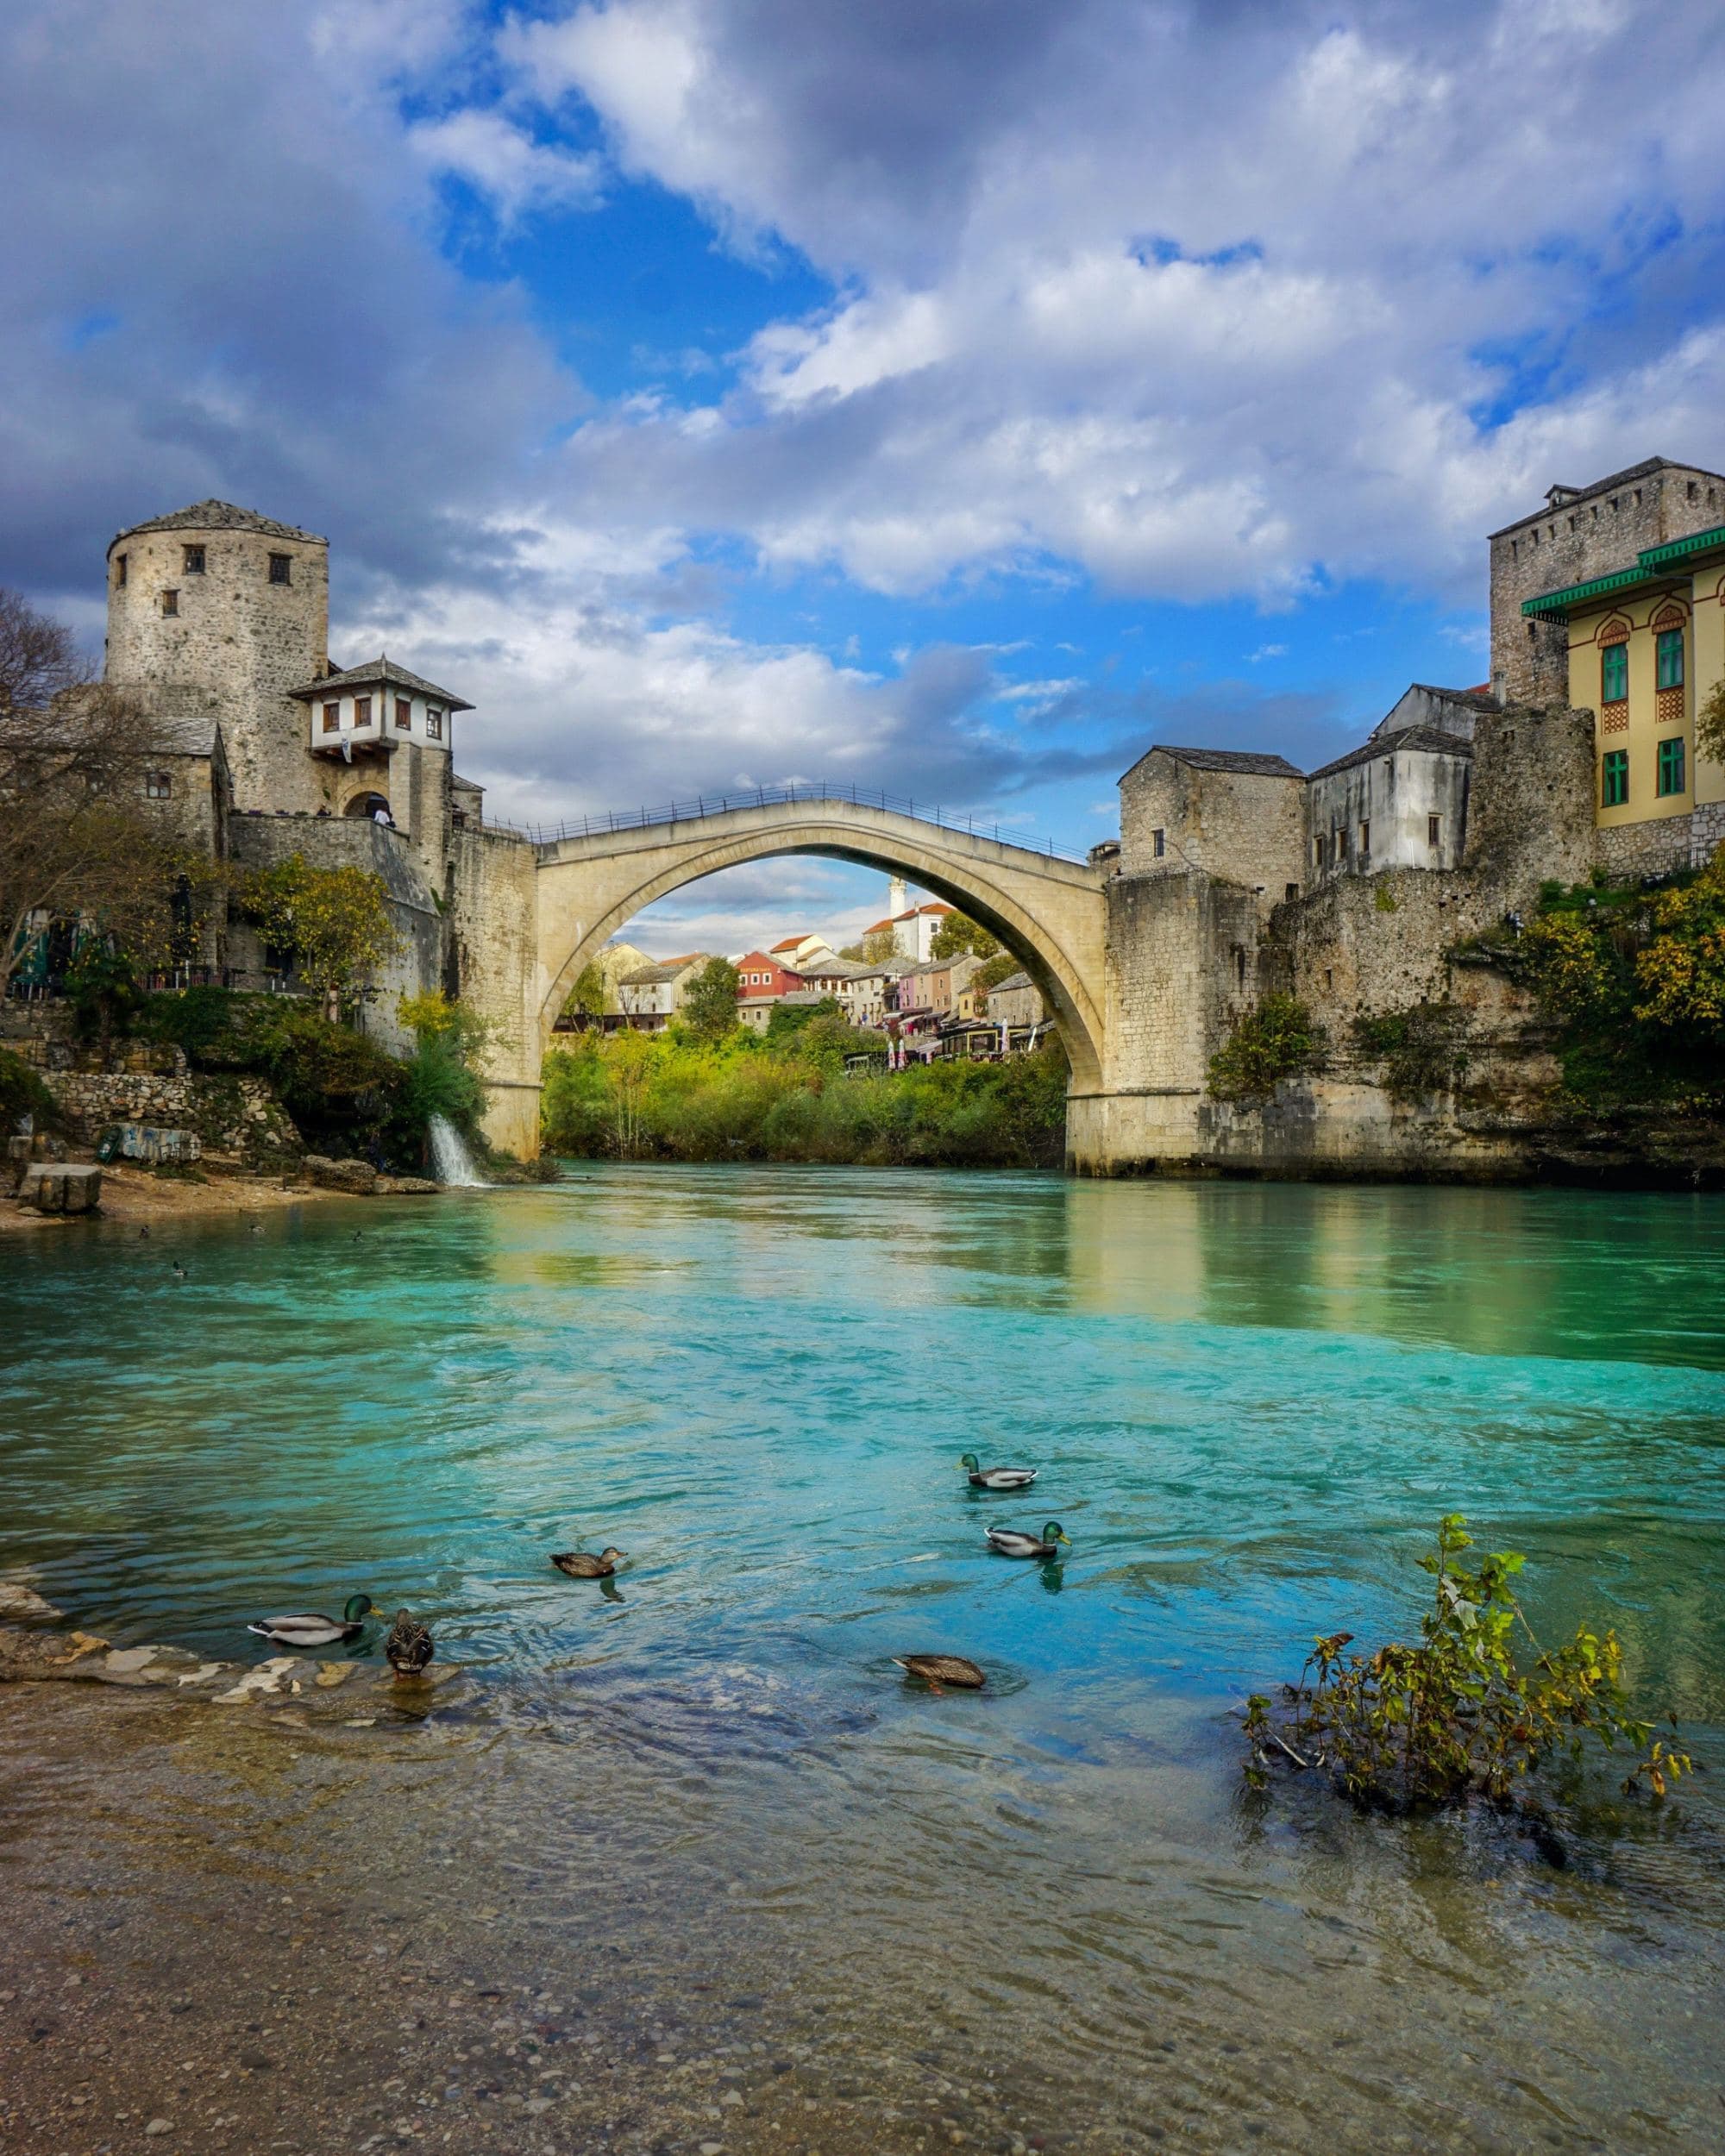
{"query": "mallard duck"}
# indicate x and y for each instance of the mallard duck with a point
(409, 1647)
(1011, 1544)
(308, 1630)
(938, 1670)
(997, 1477)
(581, 1564)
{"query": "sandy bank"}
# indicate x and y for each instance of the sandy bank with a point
(132, 1197)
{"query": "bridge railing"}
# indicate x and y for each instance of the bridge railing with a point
(703, 806)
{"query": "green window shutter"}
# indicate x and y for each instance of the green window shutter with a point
(1671, 658)
(1671, 766)
(1614, 674)
(1614, 789)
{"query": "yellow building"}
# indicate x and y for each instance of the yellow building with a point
(1646, 645)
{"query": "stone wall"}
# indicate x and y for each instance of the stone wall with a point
(334, 842)
(1656, 848)
(231, 1114)
(493, 964)
(1248, 827)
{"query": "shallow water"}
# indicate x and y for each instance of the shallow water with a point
(1249, 1403)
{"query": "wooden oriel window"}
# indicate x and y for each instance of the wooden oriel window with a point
(404, 713)
(332, 718)
(362, 710)
(434, 725)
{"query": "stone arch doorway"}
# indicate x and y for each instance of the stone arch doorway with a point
(371, 804)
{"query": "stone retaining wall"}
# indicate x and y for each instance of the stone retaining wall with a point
(230, 1114)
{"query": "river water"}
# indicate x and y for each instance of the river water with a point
(1249, 1403)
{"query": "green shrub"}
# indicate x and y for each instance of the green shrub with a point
(1456, 1716)
(1423, 1048)
(1276, 1040)
(23, 1094)
(1634, 980)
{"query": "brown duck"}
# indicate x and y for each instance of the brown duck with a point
(581, 1564)
(408, 1648)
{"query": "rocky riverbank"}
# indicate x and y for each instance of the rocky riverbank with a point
(240, 1920)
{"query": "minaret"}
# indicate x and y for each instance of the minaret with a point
(898, 901)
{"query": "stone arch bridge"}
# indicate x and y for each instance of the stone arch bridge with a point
(1045, 907)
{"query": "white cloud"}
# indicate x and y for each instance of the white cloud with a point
(505, 164)
(1203, 304)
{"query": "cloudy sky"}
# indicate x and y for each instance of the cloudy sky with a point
(950, 396)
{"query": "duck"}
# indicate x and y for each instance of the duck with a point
(409, 1647)
(997, 1477)
(310, 1631)
(581, 1564)
(938, 1670)
(1011, 1544)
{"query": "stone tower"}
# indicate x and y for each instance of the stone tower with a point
(218, 607)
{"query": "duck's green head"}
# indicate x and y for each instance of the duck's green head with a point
(1053, 1532)
(972, 1463)
(355, 1607)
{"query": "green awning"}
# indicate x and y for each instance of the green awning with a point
(1651, 561)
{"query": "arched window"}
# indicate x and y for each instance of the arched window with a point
(1614, 675)
(1668, 641)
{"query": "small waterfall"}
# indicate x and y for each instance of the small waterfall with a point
(449, 1156)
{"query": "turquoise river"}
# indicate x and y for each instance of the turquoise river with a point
(1048, 1914)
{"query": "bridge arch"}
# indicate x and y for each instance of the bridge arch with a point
(1046, 911)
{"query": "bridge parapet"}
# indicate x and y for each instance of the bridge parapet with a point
(701, 808)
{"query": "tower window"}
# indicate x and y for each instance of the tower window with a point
(404, 713)
(1614, 779)
(158, 786)
(1365, 839)
(332, 718)
(193, 560)
(281, 567)
(170, 602)
(1434, 830)
(119, 569)
(1670, 659)
(1158, 845)
(1614, 674)
(1670, 766)
(434, 725)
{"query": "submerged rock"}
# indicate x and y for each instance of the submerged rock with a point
(19, 1602)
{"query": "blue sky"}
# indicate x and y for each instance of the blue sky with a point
(948, 400)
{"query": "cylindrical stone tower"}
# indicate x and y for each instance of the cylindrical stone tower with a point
(222, 600)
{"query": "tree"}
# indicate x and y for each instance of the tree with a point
(788, 1020)
(79, 846)
(447, 1075)
(335, 921)
(710, 1000)
(587, 998)
(958, 933)
(1710, 723)
(39, 656)
(990, 974)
